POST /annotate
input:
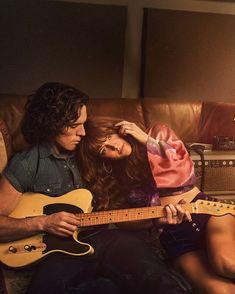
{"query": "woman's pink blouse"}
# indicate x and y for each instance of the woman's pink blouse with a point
(169, 160)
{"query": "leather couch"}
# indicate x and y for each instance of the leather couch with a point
(189, 119)
(182, 116)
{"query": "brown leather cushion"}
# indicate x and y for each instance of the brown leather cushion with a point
(182, 116)
(125, 109)
(11, 111)
(217, 119)
(5, 145)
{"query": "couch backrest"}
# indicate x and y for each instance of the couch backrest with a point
(181, 116)
(123, 108)
(11, 111)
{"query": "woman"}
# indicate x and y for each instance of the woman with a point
(126, 167)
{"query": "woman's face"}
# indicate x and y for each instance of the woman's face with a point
(115, 147)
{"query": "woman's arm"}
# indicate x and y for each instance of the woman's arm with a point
(129, 128)
(169, 160)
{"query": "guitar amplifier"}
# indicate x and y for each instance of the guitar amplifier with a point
(216, 171)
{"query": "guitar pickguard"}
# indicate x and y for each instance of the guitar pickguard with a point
(64, 244)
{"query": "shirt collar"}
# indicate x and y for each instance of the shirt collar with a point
(47, 149)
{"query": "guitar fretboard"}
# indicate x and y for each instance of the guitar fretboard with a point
(124, 215)
(143, 213)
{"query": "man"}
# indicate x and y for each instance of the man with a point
(53, 125)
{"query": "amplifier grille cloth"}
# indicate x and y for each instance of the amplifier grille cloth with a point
(217, 179)
(219, 174)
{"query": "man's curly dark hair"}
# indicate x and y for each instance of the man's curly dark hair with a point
(49, 110)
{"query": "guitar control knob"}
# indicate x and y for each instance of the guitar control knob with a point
(12, 249)
(29, 247)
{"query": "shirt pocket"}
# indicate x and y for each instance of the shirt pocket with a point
(53, 189)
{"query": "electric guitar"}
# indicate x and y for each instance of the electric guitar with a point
(29, 250)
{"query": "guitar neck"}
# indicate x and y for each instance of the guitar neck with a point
(125, 215)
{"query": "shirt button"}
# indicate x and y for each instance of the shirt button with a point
(48, 189)
(65, 166)
(72, 166)
(69, 185)
(194, 225)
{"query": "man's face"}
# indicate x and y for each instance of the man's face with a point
(72, 135)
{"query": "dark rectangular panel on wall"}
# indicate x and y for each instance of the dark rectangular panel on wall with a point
(188, 55)
(74, 43)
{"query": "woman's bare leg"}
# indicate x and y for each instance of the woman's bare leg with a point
(220, 237)
(196, 268)
(212, 272)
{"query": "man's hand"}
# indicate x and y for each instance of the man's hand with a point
(61, 223)
(132, 129)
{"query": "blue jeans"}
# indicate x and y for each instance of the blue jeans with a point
(121, 264)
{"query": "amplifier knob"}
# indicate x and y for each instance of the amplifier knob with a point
(230, 162)
(199, 163)
(224, 162)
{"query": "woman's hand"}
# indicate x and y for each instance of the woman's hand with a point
(61, 223)
(132, 129)
(175, 214)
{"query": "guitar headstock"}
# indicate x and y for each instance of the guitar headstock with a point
(213, 208)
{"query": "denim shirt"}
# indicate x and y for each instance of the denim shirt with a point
(39, 170)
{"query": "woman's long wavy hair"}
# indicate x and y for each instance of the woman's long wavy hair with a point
(111, 181)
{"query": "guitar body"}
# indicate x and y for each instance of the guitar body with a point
(27, 251)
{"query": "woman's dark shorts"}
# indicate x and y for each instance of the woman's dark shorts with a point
(187, 236)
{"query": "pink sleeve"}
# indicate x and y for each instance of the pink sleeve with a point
(169, 160)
